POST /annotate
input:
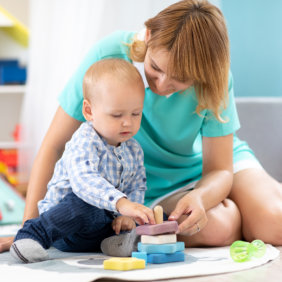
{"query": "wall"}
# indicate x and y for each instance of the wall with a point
(18, 8)
(8, 47)
(255, 30)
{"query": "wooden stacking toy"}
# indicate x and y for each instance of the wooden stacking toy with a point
(159, 242)
(124, 263)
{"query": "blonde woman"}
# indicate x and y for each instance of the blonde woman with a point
(201, 173)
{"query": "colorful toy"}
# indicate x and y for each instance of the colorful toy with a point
(9, 160)
(161, 249)
(124, 263)
(241, 251)
(17, 30)
(159, 239)
(157, 229)
(157, 242)
(140, 255)
(158, 213)
(11, 204)
(165, 258)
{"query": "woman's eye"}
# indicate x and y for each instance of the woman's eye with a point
(136, 114)
(155, 68)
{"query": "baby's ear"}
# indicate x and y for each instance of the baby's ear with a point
(86, 110)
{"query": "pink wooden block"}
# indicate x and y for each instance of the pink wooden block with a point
(155, 229)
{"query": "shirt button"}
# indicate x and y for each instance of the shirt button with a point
(144, 179)
(119, 157)
(132, 174)
(121, 180)
(111, 198)
(87, 163)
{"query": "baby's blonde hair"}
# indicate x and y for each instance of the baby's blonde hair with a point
(112, 68)
(195, 34)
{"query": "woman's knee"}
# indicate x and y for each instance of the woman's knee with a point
(266, 227)
(259, 198)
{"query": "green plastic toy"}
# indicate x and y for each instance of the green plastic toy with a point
(241, 251)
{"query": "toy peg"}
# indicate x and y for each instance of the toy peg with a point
(158, 212)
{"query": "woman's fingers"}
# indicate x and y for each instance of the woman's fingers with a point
(181, 208)
(193, 224)
(190, 214)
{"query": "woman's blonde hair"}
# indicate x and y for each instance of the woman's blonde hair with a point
(195, 34)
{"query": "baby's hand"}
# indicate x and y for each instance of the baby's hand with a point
(122, 223)
(138, 212)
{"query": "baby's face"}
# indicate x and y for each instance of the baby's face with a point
(117, 112)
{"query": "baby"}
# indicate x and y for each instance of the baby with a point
(98, 185)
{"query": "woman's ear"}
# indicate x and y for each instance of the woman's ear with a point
(86, 110)
(147, 36)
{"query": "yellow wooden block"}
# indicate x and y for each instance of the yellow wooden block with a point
(124, 263)
(18, 30)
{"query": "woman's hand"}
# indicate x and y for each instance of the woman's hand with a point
(123, 223)
(190, 213)
(138, 212)
(5, 243)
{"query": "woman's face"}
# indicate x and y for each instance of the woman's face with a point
(155, 65)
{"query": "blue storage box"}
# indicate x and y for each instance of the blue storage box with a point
(11, 72)
(12, 75)
(9, 62)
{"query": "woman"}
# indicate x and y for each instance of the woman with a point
(199, 171)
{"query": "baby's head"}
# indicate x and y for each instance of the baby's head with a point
(113, 93)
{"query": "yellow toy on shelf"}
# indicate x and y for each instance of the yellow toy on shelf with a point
(17, 30)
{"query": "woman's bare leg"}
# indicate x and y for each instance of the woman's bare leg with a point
(259, 199)
(223, 227)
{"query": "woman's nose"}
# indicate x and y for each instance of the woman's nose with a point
(162, 83)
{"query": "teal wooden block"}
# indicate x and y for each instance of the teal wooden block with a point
(161, 249)
(11, 204)
(140, 255)
(165, 258)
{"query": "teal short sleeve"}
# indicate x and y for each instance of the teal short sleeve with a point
(212, 127)
(112, 46)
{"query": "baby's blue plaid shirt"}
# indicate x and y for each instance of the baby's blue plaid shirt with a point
(98, 173)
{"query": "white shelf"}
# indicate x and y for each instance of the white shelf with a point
(10, 145)
(12, 89)
(5, 21)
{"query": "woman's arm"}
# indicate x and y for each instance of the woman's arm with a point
(217, 170)
(59, 132)
(214, 186)
(52, 147)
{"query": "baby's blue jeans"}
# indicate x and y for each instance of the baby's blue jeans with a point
(70, 226)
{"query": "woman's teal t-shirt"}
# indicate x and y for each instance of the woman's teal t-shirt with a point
(171, 131)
